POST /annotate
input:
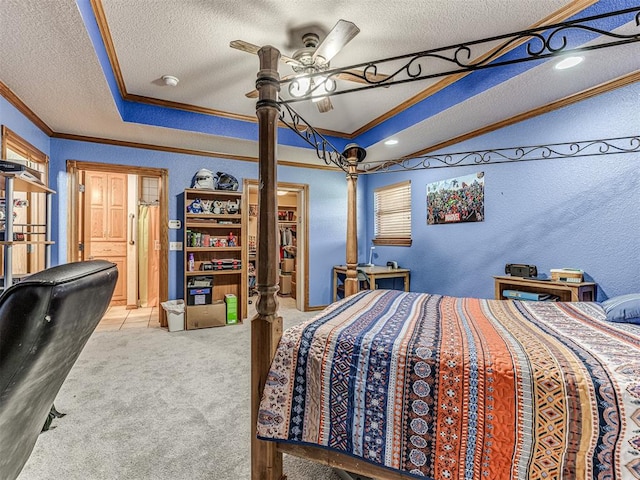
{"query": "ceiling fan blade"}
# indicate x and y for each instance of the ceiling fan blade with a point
(341, 34)
(254, 93)
(291, 61)
(251, 48)
(324, 105)
(244, 46)
(379, 77)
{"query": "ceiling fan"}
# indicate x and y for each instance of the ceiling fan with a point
(314, 57)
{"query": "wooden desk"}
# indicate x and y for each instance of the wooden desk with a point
(568, 292)
(374, 273)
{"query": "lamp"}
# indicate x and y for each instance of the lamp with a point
(370, 264)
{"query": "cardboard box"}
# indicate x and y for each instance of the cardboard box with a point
(204, 316)
(285, 284)
(232, 308)
(287, 265)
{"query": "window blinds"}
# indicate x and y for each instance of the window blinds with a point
(392, 207)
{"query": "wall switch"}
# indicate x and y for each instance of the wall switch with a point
(175, 245)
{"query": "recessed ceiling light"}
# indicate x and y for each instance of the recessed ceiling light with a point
(568, 62)
(391, 141)
(170, 80)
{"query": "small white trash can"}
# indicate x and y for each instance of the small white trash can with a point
(175, 314)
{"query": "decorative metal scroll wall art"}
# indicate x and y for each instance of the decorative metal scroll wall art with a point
(587, 148)
(541, 42)
(324, 149)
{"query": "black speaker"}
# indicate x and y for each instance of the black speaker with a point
(520, 270)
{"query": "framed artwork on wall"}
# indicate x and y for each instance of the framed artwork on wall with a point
(456, 200)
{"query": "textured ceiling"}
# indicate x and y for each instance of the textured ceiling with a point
(52, 61)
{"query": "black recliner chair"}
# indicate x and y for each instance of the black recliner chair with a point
(45, 321)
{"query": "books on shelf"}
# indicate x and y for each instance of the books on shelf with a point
(532, 296)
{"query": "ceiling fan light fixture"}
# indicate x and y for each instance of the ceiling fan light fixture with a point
(299, 87)
(325, 86)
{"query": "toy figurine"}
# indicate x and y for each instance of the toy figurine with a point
(195, 206)
(233, 208)
(206, 206)
(232, 240)
(217, 207)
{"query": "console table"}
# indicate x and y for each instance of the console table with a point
(374, 273)
(566, 291)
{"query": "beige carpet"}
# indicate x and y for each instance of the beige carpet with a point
(149, 404)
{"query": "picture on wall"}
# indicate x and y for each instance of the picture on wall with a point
(456, 200)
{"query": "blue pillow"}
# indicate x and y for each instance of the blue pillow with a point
(624, 308)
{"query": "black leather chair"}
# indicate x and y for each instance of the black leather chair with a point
(45, 321)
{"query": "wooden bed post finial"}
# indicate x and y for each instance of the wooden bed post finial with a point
(266, 326)
(354, 155)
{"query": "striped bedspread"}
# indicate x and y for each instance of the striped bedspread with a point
(460, 388)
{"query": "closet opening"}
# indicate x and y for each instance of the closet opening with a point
(119, 213)
(293, 233)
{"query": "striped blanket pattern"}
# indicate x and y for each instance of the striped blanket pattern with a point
(461, 388)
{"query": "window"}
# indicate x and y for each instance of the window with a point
(392, 207)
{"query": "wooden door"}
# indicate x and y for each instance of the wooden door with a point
(105, 224)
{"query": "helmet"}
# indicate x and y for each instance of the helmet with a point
(204, 179)
(226, 182)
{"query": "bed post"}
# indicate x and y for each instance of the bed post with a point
(354, 154)
(266, 326)
(351, 280)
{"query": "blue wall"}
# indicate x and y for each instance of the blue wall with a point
(22, 126)
(327, 192)
(327, 204)
(582, 212)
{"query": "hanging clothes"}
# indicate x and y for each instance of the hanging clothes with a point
(287, 239)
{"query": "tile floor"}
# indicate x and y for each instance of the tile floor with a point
(119, 318)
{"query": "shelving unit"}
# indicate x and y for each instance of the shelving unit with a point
(32, 234)
(288, 220)
(565, 291)
(215, 238)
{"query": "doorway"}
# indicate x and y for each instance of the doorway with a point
(119, 213)
(293, 231)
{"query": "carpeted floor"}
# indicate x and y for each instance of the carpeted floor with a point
(149, 404)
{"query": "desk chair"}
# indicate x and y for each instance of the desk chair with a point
(45, 321)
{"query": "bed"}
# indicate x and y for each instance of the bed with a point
(451, 388)
(464, 388)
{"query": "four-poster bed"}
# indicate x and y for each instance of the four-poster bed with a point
(544, 406)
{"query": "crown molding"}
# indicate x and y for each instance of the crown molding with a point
(14, 100)
(560, 15)
(563, 102)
